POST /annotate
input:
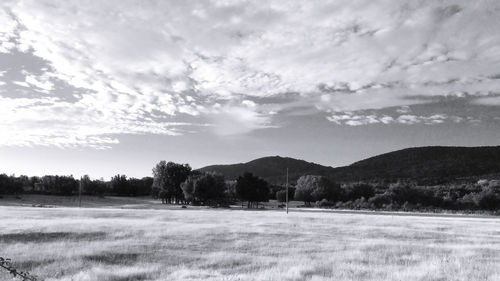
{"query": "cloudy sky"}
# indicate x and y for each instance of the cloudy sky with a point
(105, 87)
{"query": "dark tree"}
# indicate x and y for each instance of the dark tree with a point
(207, 189)
(96, 187)
(85, 182)
(61, 185)
(252, 189)
(168, 177)
(121, 186)
(281, 194)
(10, 184)
(487, 199)
(140, 187)
(360, 190)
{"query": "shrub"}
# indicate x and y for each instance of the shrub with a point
(360, 190)
(316, 188)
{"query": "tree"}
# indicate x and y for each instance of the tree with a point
(168, 177)
(140, 187)
(311, 188)
(281, 194)
(305, 188)
(121, 186)
(252, 189)
(230, 192)
(488, 200)
(207, 189)
(62, 185)
(85, 183)
(188, 188)
(10, 184)
(96, 187)
(360, 190)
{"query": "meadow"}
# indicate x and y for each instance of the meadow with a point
(112, 244)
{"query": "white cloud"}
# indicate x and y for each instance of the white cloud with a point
(51, 122)
(358, 119)
(21, 83)
(42, 82)
(134, 63)
(489, 101)
(236, 119)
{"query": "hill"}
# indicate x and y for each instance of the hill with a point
(272, 169)
(434, 164)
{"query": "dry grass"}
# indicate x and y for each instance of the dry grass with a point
(127, 244)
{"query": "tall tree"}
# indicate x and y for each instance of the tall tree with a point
(315, 188)
(304, 189)
(85, 183)
(208, 189)
(10, 184)
(121, 186)
(252, 189)
(168, 177)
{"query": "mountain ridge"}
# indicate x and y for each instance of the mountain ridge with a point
(428, 163)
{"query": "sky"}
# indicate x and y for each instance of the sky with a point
(107, 87)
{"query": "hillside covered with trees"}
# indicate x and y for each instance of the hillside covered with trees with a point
(272, 169)
(426, 165)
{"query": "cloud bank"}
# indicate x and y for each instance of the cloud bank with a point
(135, 67)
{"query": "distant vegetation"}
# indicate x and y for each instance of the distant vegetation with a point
(410, 179)
(424, 165)
(272, 169)
(119, 185)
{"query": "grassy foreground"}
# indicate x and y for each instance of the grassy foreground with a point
(140, 244)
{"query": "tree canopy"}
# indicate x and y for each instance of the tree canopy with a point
(311, 188)
(207, 189)
(168, 178)
(252, 189)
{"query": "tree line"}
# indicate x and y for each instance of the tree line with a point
(401, 195)
(175, 183)
(118, 185)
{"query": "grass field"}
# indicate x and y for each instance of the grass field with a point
(109, 244)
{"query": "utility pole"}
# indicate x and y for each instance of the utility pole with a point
(287, 191)
(80, 193)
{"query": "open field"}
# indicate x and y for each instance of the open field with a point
(110, 244)
(27, 200)
(117, 202)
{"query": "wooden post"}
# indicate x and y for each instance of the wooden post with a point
(80, 193)
(287, 191)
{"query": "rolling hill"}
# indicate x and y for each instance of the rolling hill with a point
(272, 169)
(426, 164)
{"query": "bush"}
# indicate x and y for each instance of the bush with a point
(325, 204)
(380, 200)
(281, 196)
(360, 190)
(487, 200)
(208, 189)
(316, 188)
